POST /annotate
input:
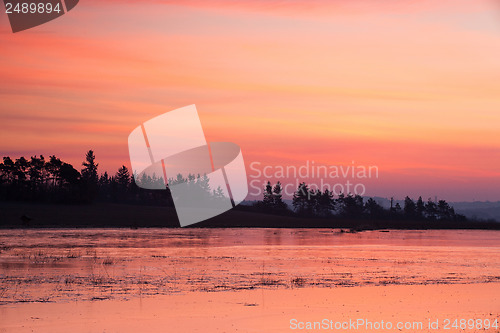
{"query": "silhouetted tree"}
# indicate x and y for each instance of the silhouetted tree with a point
(20, 167)
(122, 177)
(104, 180)
(373, 209)
(8, 169)
(301, 200)
(105, 187)
(36, 172)
(278, 204)
(268, 197)
(444, 211)
(69, 175)
(350, 206)
(420, 208)
(410, 209)
(272, 201)
(325, 203)
(90, 178)
(53, 167)
(89, 171)
(430, 210)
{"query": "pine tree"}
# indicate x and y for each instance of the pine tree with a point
(90, 178)
(373, 209)
(350, 206)
(420, 209)
(325, 203)
(89, 172)
(410, 209)
(444, 210)
(278, 203)
(301, 198)
(123, 177)
(431, 210)
(37, 172)
(268, 200)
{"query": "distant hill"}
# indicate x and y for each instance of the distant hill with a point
(479, 209)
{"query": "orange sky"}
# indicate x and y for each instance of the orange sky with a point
(409, 86)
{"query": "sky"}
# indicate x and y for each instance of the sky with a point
(411, 87)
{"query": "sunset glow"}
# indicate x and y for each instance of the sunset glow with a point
(411, 87)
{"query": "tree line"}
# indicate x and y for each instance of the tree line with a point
(309, 202)
(52, 180)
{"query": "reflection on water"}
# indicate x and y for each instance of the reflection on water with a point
(60, 265)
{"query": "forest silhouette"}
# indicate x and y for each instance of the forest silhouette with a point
(322, 204)
(54, 181)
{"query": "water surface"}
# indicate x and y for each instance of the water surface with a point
(53, 265)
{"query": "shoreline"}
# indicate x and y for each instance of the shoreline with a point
(22, 215)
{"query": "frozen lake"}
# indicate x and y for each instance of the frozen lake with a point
(59, 265)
